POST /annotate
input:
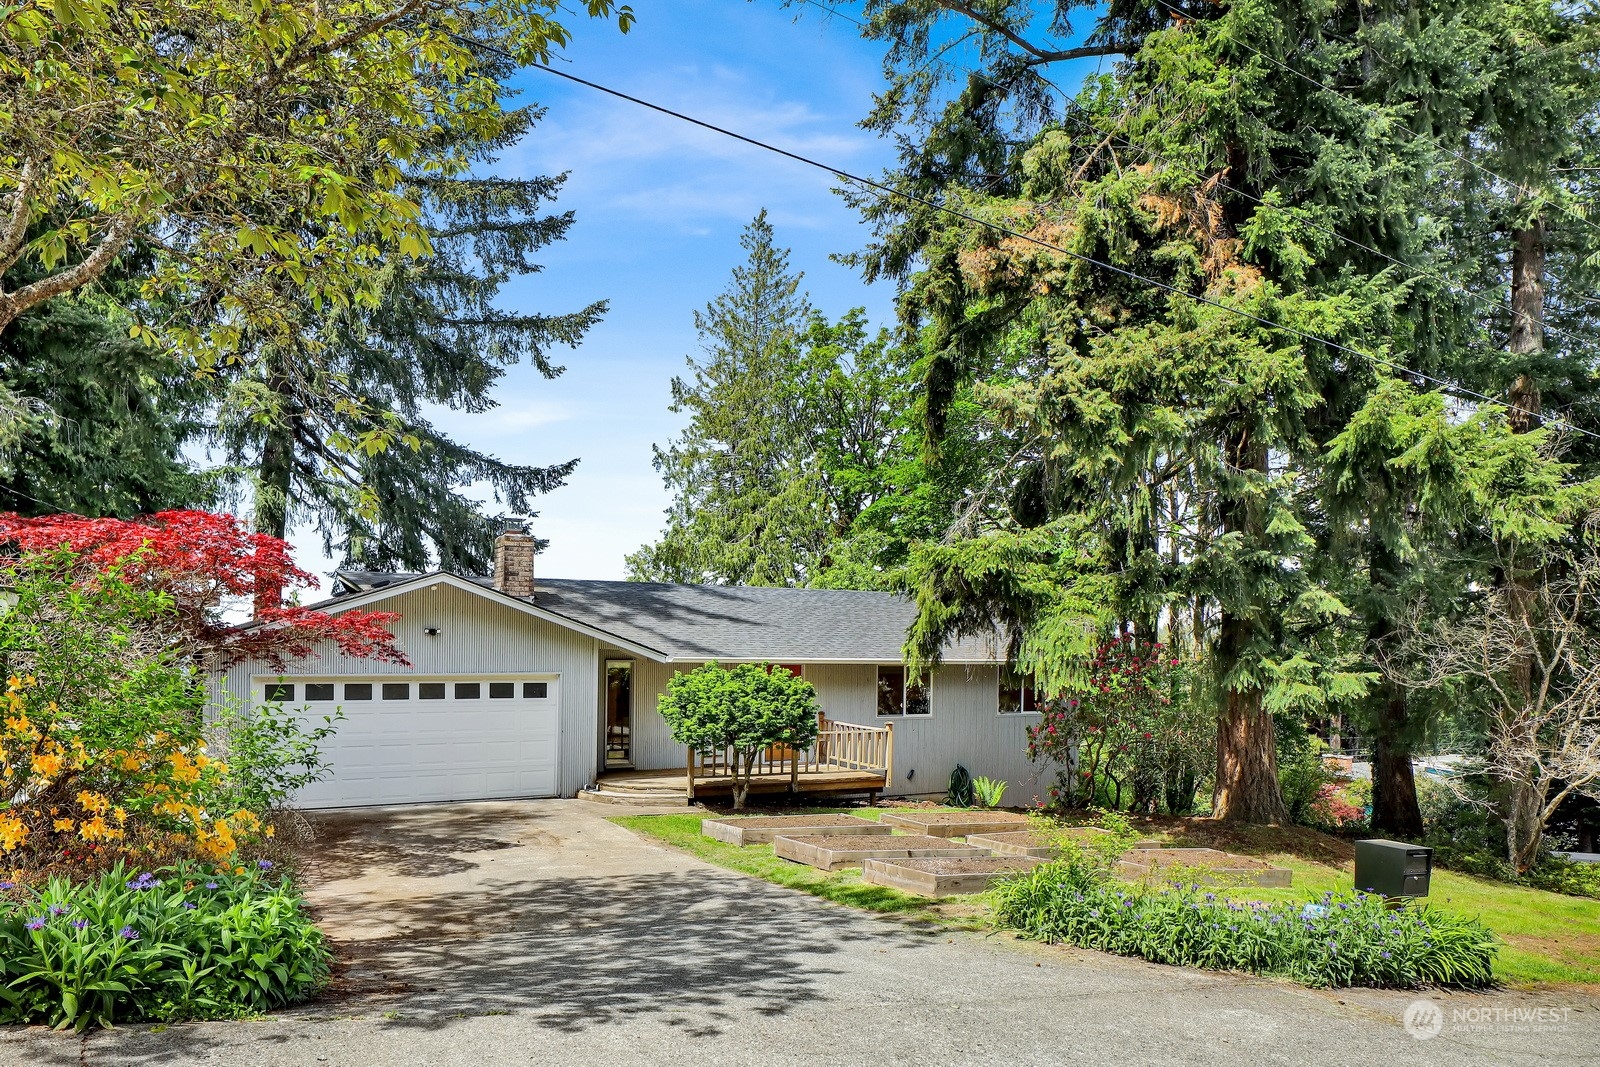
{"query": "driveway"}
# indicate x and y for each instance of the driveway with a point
(539, 933)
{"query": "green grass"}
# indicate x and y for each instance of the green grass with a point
(1550, 939)
(842, 887)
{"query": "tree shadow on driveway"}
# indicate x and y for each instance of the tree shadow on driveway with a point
(577, 953)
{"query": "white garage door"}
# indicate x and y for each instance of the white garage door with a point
(411, 739)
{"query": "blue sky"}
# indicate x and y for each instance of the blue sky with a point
(660, 206)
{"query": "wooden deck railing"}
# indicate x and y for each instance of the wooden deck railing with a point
(840, 746)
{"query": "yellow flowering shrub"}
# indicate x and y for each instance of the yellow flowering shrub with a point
(102, 753)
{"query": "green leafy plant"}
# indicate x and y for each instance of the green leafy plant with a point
(741, 710)
(1333, 941)
(271, 753)
(959, 793)
(987, 792)
(182, 942)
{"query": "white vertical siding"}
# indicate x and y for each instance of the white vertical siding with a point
(965, 726)
(477, 635)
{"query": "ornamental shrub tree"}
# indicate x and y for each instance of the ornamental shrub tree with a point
(1128, 733)
(742, 709)
(204, 563)
(101, 746)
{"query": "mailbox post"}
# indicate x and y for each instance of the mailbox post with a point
(1393, 868)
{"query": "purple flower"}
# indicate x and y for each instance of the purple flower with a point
(8, 885)
(57, 909)
(145, 881)
(1385, 955)
(265, 865)
(36, 924)
(128, 933)
(80, 924)
(211, 885)
(189, 905)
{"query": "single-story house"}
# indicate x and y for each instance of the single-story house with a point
(519, 688)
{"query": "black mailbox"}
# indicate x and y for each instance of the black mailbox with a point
(1393, 868)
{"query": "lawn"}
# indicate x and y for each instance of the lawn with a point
(843, 887)
(1550, 939)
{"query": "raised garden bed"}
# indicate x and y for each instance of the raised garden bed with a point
(761, 829)
(1041, 845)
(943, 876)
(1201, 865)
(956, 823)
(830, 853)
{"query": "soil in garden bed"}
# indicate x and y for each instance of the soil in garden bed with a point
(1197, 857)
(946, 818)
(779, 821)
(966, 864)
(875, 842)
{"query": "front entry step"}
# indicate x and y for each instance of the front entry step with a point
(631, 794)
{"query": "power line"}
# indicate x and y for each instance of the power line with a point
(886, 191)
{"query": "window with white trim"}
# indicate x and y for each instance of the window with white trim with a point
(902, 693)
(1016, 694)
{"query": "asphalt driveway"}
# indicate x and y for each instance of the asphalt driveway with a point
(538, 933)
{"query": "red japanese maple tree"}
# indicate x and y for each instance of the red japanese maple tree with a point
(205, 561)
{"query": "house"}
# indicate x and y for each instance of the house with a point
(519, 688)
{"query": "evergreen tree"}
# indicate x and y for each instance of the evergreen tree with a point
(794, 430)
(99, 419)
(344, 440)
(1186, 440)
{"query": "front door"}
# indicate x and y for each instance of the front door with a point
(619, 713)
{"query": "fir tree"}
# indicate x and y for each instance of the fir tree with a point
(347, 444)
(794, 431)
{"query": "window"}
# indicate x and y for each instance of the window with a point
(502, 690)
(278, 691)
(430, 690)
(917, 702)
(468, 690)
(891, 690)
(899, 694)
(358, 691)
(535, 690)
(397, 690)
(319, 691)
(1017, 696)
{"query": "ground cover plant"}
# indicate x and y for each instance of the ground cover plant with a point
(1342, 940)
(1547, 938)
(180, 942)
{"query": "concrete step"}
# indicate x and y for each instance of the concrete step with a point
(653, 797)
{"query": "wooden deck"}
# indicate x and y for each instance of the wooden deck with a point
(817, 781)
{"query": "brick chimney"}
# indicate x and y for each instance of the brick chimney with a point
(513, 564)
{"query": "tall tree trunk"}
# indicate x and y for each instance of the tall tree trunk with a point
(1395, 810)
(275, 477)
(1247, 755)
(1519, 805)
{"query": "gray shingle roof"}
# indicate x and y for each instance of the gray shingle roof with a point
(696, 622)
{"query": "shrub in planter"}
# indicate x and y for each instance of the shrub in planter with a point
(1337, 941)
(183, 942)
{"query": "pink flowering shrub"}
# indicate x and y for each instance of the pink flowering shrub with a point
(1128, 736)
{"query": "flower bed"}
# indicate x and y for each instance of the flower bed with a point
(183, 942)
(1339, 941)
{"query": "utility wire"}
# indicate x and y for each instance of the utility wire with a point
(887, 191)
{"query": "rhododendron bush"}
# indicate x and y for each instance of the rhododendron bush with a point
(101, 747)
(1128, 735)
(205, 564)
